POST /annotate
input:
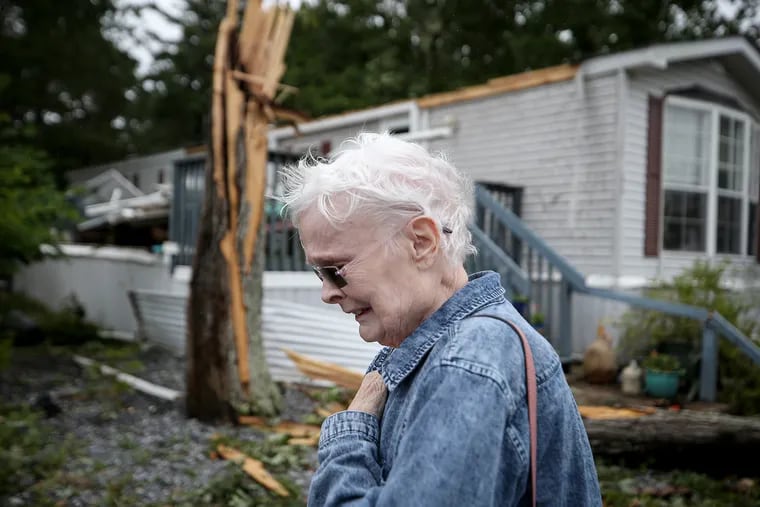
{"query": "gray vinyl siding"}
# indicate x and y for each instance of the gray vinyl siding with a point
(642, 83)
(146, 168)
(560, 147)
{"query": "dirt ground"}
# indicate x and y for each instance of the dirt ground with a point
(130, 449)
(612, 395)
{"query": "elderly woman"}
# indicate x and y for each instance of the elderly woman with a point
(441, 417)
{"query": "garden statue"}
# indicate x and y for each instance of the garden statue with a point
(599, 363)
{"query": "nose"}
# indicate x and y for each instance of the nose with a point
(331, 293)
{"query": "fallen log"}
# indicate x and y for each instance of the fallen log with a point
(691, 439)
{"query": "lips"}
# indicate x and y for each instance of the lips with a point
(360, 312)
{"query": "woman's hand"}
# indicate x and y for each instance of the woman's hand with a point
(371, 396)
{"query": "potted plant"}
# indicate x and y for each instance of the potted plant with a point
(537, 320)
(520, 302)
(662, 374)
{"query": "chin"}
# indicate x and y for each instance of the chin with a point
(368, 336)
(368, 339)
(383, 340)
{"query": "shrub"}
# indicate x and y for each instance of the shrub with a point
(661, 362)
(702, 285)
(67, 326)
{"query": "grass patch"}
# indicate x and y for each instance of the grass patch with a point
(234, 488)
(624, 487)
(31, 458)
(273, 451)
(111, 352)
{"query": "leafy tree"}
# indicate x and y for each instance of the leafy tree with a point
(69, 81)
(347, 54)
(174, 100)
(30, 203)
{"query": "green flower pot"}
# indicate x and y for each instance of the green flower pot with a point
(662, 384)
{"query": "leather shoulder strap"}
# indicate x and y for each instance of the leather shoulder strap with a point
(532, 395)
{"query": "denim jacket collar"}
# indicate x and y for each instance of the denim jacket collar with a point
(482, 289)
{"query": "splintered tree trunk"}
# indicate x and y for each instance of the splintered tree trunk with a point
(209, 336)
(263, 396)
(227, 371)
(213, 378)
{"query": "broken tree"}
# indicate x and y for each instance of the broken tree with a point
(226, 370)
(687, 439)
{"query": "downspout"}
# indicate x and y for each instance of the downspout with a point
(622, 110)
(424, 123)
(414, 118)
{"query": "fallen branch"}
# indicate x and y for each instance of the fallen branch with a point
(601, 412)
(321, 370)
(307, 441)
(293, 429)
(254, 468)
(141, 385)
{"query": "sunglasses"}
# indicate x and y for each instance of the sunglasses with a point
(334, 275)
(331, 274)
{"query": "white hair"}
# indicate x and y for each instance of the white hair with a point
(388, 180)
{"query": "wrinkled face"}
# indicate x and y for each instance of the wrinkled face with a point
(385, 289)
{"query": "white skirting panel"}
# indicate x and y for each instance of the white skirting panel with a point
(319, 332)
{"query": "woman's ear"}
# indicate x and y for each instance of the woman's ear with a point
(425, 240)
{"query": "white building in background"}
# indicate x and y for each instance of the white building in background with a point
(632, 166)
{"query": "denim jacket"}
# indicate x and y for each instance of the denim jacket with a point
(455, 426)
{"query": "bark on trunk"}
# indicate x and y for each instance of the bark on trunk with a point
(263, 396)
(684, 439)
(209, 337)
(227, 370)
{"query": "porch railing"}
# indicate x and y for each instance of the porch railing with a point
(283, 248)
(548, 280)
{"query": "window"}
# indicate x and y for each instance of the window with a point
(710, 179)
(754, 195)
(686, 178)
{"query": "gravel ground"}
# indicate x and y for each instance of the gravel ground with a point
(126, 439)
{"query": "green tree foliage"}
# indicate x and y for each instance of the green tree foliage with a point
(69, 81)
(346, 54)
(30, 203)
(174, 101)
(350, 54)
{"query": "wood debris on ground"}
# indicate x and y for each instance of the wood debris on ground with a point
(322, 370)
(604, 412)
(331, 408)
(253, 468)
(299, 433)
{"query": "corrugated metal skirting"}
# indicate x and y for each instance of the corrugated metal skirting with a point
(321, 333)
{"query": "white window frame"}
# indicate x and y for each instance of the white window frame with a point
(715, 111)
(754, 186)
